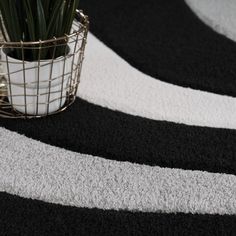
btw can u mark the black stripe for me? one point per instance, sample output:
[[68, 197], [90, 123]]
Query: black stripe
[[163, 38], [91, 129], [30, 217]]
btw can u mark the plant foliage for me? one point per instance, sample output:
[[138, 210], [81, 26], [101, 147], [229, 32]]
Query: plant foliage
[[33, 20]]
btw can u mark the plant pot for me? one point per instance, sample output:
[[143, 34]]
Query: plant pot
[[37, 88]]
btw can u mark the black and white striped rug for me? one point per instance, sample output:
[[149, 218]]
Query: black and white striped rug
[[149, 147]]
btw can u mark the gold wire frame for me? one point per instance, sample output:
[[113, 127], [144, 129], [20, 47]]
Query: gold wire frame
[[24, 92]]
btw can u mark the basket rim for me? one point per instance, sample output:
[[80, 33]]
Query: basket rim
[[84, 22]]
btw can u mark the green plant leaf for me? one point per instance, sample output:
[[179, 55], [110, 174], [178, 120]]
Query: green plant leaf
[[41, 21], [34, 20]]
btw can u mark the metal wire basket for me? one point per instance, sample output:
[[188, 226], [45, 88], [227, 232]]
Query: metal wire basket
[[32, 89]]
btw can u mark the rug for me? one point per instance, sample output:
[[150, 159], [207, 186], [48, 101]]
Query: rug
[[148, 147]]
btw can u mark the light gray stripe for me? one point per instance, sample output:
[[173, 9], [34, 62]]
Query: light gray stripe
[[35, 170], [219, 15], [109, 81]]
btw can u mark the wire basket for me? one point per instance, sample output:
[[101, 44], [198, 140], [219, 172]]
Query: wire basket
[[32, 89]]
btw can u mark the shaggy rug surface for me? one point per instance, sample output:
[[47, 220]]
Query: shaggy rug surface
[[149, 146]]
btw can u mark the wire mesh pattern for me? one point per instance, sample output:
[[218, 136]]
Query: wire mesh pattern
[[29, 88]]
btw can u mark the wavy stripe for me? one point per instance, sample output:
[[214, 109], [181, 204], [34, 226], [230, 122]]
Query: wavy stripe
[[218, 14], [90, 129], [109, 81], [176, 47], [30, 217], [34, 170]]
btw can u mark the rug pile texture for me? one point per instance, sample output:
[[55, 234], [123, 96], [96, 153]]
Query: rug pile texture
[[149, 146]]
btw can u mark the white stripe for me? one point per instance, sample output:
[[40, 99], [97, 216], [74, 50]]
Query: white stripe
[[35, 170], [218, 14], [109, 81]]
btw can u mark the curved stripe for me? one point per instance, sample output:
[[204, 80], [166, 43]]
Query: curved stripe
[[107, 80], [34, 170], [29, 217], [165, 39], [218, 14], [90, 129]]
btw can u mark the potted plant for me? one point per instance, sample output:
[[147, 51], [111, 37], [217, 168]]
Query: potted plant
[[38, 55]]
